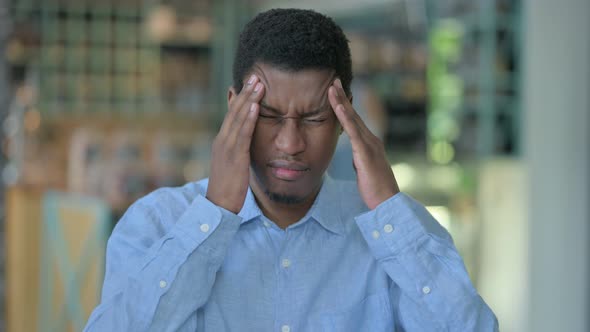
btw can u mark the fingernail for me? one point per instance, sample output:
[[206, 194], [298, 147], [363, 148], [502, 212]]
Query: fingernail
[[257, 87], [252, 79], [339, 83], [336, 92]]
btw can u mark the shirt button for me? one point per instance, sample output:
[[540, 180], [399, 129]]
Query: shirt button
[[388, 228], [285, 328], [163, 284], [266, 224], [426, 290], [204, 228], [376, 234], [286, 263]]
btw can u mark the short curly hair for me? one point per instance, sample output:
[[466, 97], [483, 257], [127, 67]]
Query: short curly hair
[[293, 40]]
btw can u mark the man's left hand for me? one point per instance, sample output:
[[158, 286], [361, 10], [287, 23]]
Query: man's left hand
[[375, 178]]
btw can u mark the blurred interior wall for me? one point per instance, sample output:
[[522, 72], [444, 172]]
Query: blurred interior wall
[[556, 85], [503, 254]]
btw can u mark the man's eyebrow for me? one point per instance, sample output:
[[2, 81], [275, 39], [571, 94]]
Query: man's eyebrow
[[270, 108], [316, 111]]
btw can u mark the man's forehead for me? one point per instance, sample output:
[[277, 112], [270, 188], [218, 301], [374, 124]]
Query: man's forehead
[[267, 71], [302, 91], [321, 108]]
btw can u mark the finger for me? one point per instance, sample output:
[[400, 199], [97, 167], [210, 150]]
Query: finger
[[245, 136], [236, 104], [247, 89], [343, 99], [243, 116], [346, 118], [254, 97]]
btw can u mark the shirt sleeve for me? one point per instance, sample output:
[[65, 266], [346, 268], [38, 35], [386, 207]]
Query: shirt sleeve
[[159, 272], [431, 290]]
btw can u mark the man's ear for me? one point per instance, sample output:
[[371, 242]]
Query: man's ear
[[231, 93]]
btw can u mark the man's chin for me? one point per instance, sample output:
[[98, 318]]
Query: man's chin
[[284, 198]]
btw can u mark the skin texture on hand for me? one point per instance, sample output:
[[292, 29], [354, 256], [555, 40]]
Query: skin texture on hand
[[231, 157], [375, 178], [230, 153]]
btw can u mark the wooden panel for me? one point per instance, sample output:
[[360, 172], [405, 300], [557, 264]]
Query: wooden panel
[[23, 237], [51, 240], [73, 249]]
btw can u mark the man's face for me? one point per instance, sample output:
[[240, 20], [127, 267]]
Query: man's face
[[295, 135]]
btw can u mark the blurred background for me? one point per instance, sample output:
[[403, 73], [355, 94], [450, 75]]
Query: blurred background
[[483, 106]]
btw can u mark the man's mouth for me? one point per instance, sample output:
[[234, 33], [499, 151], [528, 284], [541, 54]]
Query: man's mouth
[[287, 170]]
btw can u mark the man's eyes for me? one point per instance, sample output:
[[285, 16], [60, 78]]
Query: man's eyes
[[265, 116], [312, 120]]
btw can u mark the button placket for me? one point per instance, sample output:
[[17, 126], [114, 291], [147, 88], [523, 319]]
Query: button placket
[[388, 228], [204, 228], [376, 234], [286, 262]]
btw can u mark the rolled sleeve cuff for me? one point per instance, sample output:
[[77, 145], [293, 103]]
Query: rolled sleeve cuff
[[395, 225], [204, 227], [200, 221]]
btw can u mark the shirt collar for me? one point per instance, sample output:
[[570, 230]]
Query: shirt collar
[[250, 209], [325, 209]]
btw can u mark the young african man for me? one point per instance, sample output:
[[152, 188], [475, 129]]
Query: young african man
[[269, 242]]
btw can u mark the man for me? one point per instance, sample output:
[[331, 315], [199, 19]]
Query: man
[[269, 242]]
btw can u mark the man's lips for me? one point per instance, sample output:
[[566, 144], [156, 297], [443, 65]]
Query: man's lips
[[287, 170]]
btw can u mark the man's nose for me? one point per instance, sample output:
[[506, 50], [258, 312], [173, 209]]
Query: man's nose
[[290, 138]]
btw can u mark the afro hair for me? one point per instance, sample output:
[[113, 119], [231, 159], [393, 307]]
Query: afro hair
[[293, 40]]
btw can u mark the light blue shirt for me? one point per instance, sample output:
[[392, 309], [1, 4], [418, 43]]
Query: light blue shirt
[[177, 262]]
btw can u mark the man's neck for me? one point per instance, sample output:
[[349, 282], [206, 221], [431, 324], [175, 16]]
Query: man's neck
[[282, 214]]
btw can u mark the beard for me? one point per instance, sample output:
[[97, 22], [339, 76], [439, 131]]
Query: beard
[[283, 198]]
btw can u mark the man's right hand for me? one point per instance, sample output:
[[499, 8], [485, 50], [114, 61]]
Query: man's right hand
[[230, 154]]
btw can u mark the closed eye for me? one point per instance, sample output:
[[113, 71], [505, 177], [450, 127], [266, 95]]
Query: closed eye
[[266, 116], [314, 120], [276, 119]]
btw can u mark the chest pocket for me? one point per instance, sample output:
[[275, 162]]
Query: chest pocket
[[373, 314]]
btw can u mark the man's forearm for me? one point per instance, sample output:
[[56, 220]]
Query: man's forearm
[[140, 283], [431, 289]]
